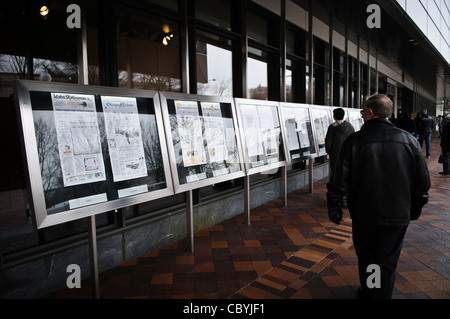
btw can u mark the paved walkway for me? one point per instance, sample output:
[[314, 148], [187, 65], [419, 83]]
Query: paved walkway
[[291, 252]]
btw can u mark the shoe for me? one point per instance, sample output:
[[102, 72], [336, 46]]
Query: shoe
[[428, 156]]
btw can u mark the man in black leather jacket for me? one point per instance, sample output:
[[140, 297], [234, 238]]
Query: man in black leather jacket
[[384, 174]]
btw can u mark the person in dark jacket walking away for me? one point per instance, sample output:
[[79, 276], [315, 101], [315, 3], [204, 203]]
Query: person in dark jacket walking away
[[407, 124], [426, 125], [445, 146], [383, 171], [336, 135]]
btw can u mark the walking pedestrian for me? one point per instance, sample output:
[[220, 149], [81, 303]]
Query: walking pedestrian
[[336, 135], [445, 146], [383, 172], [426, 124]]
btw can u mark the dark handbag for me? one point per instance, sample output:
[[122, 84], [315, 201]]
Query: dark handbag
[[441, 159]]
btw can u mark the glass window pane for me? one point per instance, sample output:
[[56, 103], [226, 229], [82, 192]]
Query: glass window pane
[[36, 48], [257, 79], [170, 4], [257, 28], [47, 40], [216, 12], [214, 70], [148, 51], [296, 81], [288, 80]]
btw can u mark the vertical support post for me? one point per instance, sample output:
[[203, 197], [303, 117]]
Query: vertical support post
[[311, 53], [184, 44], [84, 79], [331, 58], [347, 70], [358, 74], [93, 257], [311, 176], [243, 50], [83, 70], [284, 195], [283, 50], [190, 219], [247, 200]]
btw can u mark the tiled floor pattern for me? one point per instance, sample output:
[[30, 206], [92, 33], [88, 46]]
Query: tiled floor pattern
[[287, 253]]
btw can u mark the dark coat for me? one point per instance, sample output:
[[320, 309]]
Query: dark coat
[[426, 125], [445, 138], [336, 135], [382, 170]]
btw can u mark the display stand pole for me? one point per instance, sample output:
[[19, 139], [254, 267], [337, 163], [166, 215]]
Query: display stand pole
[[311, 176], [247, 199], [93, 256], [190, 219], [84, 79], [284, 186]]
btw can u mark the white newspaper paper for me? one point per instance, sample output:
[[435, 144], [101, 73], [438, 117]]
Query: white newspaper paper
[[124, 136], [190, 131], [78, 138]]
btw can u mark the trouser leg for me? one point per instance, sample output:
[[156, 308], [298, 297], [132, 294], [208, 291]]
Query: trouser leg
[[446, 163], [428, 143], [381, 246]]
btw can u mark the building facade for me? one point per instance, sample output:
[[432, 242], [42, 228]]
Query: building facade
[[325, 53]]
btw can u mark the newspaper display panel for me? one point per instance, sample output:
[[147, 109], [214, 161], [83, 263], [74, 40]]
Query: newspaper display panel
[[262, 139], [90, 149], [354, 117], [299, 131], [322, 119], [203, 140]]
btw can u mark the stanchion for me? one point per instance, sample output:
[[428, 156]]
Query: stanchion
[[93, 257], [247, 199], [190, 220], [284, 186]]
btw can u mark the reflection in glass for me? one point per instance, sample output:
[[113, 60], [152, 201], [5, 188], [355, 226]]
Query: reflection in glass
[[148, 51], [289, 93], [257, 83], [214, 70]]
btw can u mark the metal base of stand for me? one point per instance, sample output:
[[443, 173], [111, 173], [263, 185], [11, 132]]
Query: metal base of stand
[[93, 257]]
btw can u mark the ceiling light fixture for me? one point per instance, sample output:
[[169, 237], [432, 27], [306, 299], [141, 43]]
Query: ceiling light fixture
[[167, 38], [44, 12]]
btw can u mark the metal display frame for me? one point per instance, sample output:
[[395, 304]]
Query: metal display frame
[[179, 187], [286, 105], [354, 117], [23, 91], [326, 109], [188, 187], [266, 167]]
